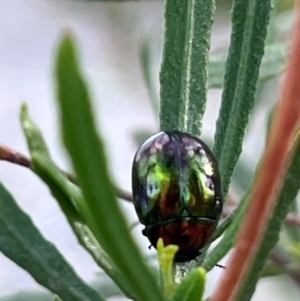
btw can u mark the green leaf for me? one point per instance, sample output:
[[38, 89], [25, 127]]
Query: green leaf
[[102, 284], [40, 155], [166, 256], [86, 149], [272, 65], [250, 19], [243, 175], [21, 241], [145, 57], [273, 62], [216, 70], [192, 286], [291, 231], [228, 239], [69, 198], [271, 270], [27, 296], [224, 226], [272, 35], [183, 75], [286, 198]]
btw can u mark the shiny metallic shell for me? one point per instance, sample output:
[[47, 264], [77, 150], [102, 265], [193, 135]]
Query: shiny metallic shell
[[176, 191]]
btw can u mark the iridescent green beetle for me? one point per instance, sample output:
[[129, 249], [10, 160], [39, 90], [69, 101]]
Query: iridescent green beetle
[[176, 192]]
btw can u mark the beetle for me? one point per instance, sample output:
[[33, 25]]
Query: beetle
[[177, 191]]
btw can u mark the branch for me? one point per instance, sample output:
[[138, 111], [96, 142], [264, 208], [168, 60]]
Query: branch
[[268, 182], [7, 154], [12, 156], [292, 219]]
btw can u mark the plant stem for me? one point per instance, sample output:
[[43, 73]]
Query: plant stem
[[12, 156], [279, 151]]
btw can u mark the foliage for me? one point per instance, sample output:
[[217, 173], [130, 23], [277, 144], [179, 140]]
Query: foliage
[[89, 200]]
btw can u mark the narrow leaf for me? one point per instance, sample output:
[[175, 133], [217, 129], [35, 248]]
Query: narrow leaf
[[250, 19], [69, 195], [87, 153], [21, 241], [145, 57], [228, 239], [249, 257], [192, 286], [286, 198], [69, 198], [183, 74], [272, 65], [27, 296], [166, 256]]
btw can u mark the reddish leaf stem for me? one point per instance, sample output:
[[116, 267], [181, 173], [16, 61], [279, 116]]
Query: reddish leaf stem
[[12, 156], [268, 180]]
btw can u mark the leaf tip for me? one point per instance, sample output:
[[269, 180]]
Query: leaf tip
[[24, 111], [66, 49]]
